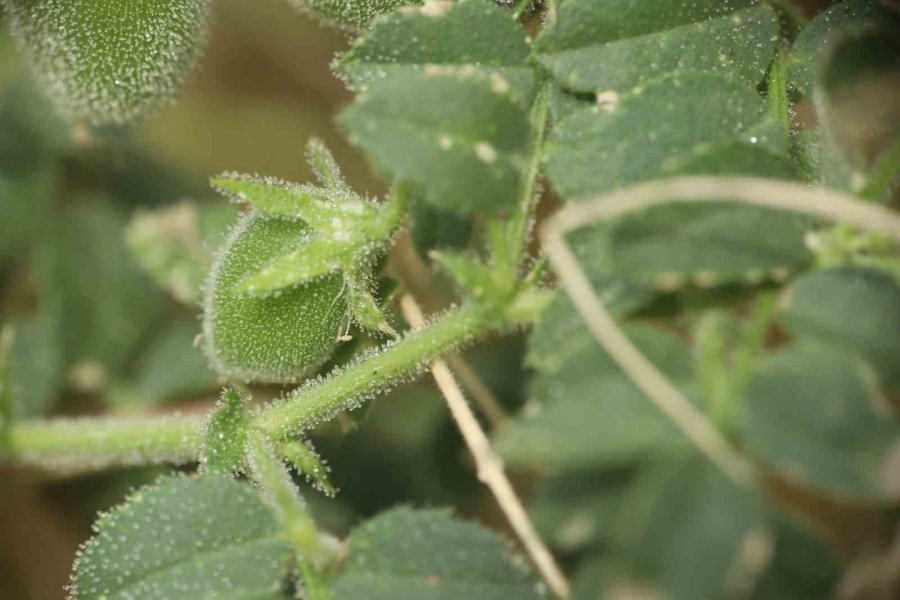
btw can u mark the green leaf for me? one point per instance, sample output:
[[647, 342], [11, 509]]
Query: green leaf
[[856, 310], [586, 413], [97, 60], [351, 13], [225, 438], [171, 368], [811, 49], [466, 157], [573, 511], [107, 305], [611, 47], [667, 248], [174, 245], [595, 150], [187, 539], [471, 61], [40, 361], [802, 566], [684, 528], [474, 35], [811, 415], [275, 338], [410, 554]]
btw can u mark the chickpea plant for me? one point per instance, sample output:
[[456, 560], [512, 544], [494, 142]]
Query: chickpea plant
[[713, 316]]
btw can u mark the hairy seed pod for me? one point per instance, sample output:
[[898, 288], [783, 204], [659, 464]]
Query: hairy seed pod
[[108, 61], [277, 338]]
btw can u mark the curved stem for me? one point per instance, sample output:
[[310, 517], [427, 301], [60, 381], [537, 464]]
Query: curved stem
[[769, 193]]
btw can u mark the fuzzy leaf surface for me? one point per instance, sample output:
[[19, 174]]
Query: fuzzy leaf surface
[[615, 46], [588, 413], [471, 35], [596, 150], [407, 554], [812, 414], [459, 137], [185, 539]]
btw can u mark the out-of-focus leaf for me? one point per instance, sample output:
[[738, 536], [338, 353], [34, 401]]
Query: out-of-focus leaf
[[669, 247], [856, 310], [587, 413], [686, 529], [597, 149], [108, 306], [171, 367], [185, 538], [812, 414], [802, 567], [573, 512], [812, 47], [617, 45], [174, 245], [40, 361], [407, 554]]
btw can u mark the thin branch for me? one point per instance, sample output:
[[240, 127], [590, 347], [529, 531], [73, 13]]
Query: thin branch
[[760, 192], [90, 443], [490, 465]]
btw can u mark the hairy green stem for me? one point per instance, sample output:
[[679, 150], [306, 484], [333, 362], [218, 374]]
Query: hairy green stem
[[93, 443], [312, 551], [520, 220]]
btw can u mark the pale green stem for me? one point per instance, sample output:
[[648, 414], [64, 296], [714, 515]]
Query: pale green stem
[[94, 443]]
